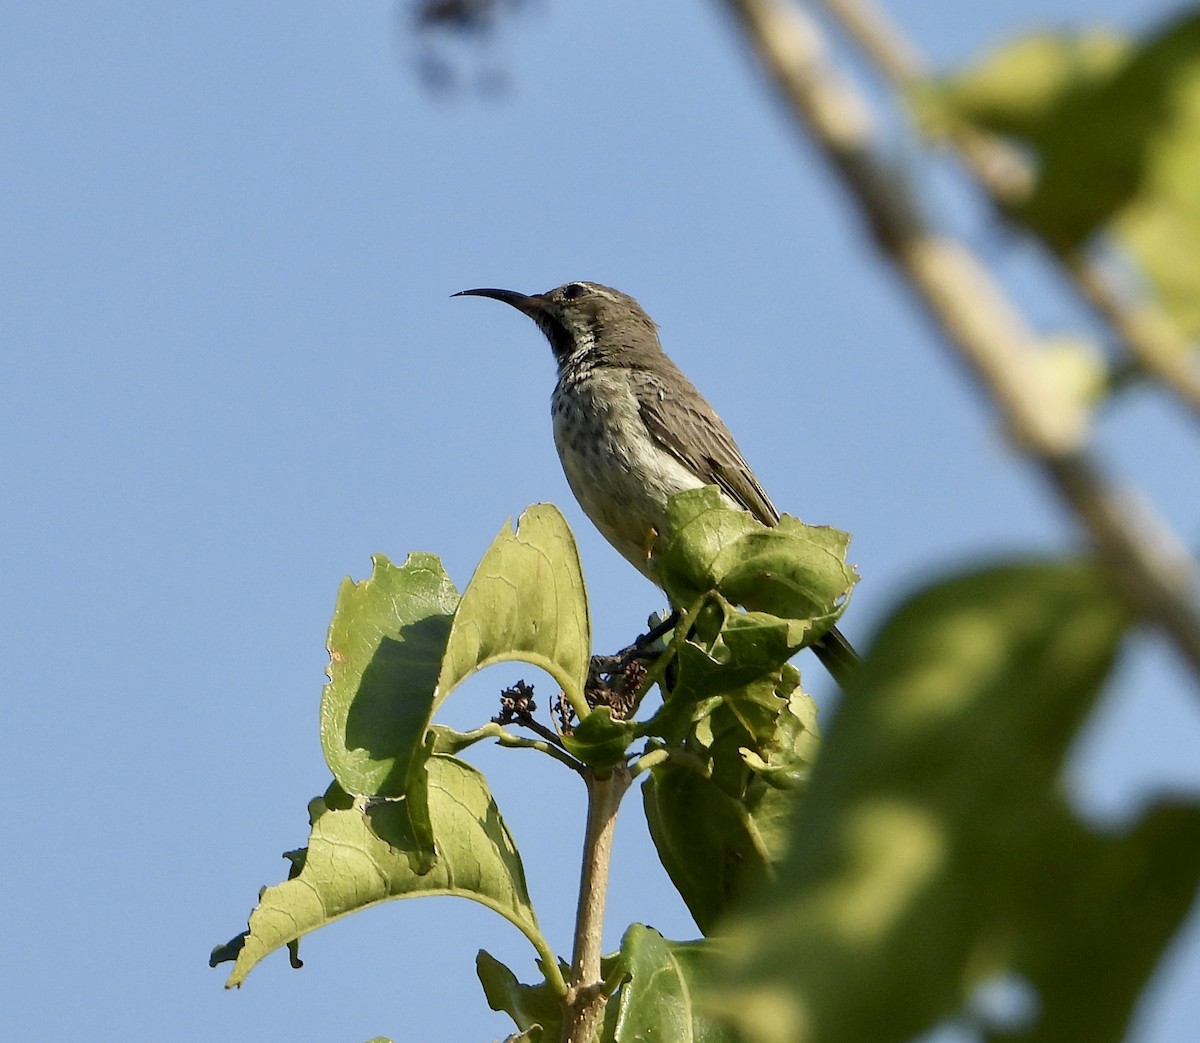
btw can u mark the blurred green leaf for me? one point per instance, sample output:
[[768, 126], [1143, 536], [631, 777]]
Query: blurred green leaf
[[356, 858], [794, 571], [1160, 226], [934, 850], [1113, 128], [525, 602], [536, 1010], [1014, 89]]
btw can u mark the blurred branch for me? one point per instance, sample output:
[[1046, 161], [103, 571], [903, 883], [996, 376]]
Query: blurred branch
[[1151, 336], [1145, 560]]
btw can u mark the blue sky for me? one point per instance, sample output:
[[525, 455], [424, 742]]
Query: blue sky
[[234, 371]]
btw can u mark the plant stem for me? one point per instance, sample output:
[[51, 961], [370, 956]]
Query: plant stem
[[648, 760], [553, 749], [585, 996]]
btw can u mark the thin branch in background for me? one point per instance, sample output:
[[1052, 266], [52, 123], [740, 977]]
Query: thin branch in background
[[1149, 333], [1146, 561]]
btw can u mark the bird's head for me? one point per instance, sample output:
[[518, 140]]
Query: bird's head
[[586, 323]]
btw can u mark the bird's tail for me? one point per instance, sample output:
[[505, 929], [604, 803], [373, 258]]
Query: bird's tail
[[837, 655]]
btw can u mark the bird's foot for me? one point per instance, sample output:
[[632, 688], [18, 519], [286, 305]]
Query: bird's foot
[[647, 646]]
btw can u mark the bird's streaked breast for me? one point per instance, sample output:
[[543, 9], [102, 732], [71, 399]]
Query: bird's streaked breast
[[619, 474]]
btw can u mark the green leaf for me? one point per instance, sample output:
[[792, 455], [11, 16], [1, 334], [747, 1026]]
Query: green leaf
[[1112, 127], [600, 741], [449, 743], [1127, 153], [385, 648], [356, 858], [525, 602], [742, 666], [715, 847], [228, 951], [1014, 89], [536, 1010], [658, 998], [718, 808], [749, 646], [719, 817], [1160, 224], [784, 758], [934, 850], [794, 571]]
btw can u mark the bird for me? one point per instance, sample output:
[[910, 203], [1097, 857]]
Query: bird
[[632, 431]]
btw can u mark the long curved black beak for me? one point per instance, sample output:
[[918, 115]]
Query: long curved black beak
[[527, 304]]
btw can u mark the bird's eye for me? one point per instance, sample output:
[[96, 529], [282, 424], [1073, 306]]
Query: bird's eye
[[573, 290]]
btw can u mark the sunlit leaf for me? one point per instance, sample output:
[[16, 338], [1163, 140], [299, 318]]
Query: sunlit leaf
[[386, 642], [536, 1010], [356, 858], [525, 602], [450, 743], [742, 665], [795, 571]]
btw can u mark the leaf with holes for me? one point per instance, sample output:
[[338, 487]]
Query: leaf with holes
[[359, 857]]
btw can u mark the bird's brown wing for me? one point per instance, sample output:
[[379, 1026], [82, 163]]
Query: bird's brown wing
[[688, 428]]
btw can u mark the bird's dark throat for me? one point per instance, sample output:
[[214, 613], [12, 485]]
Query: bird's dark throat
[[561, 341]]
